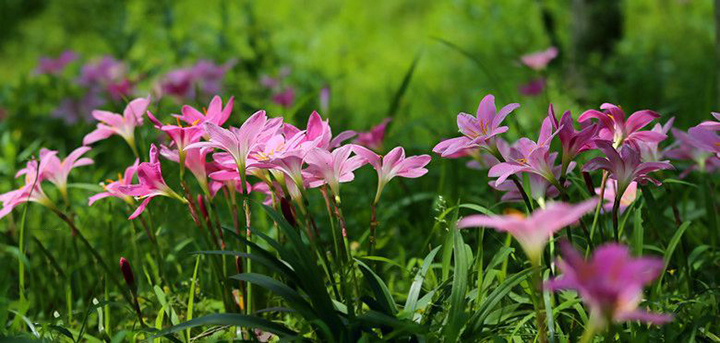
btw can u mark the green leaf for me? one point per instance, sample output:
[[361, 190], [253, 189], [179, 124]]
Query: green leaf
[[478, 208], [416, 286], [382, 294], [638, 233], [478, 319], [674, 241], [456, 317], [295, 300], [231, 319]]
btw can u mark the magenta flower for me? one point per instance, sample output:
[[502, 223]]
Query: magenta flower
[[331, 168], [533, 87], [56, 171], [540, 59], [55, 66], [533, 232], [625, 166], [216, 113], [573, 142], [393, 164], [476, 130], [30, 191], [626, 200], [325, 99], [151, 184], [373, 139], [179, 83], [285, 98], [116, 124], [102, 72], [617, 130], [209, 75], [610, 283], [112, 187]]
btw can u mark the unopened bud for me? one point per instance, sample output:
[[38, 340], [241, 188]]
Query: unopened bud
[[203, 209], [287, 211], [128, 274], [239, 264]]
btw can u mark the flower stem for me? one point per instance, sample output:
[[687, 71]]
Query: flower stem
[[373, 228], [599, 204], [539, 304], [615, 210]]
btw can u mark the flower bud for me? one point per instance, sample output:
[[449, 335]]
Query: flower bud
[[203, 209], [287, 211], [128, 274]]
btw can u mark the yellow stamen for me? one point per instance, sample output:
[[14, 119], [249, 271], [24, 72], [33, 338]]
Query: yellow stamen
[[514, 213]]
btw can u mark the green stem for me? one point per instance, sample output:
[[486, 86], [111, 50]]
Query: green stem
[[539, 303], [599, 204]]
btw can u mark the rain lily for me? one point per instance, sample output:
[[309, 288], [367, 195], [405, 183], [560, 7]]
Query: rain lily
[[55, 66], [533, 232], [624, 166], [706, 137], [649, 150], [30, 191], [688, 148], [539, 60], [151, 184], [529, 157], [476, 130], [331, 168], [626, 200], [610, 283], [533, 87], [195, 161], [373, 139], [181, 136], [325, 99], [573, 142], [116, 124], [102, 72], [712, 125], [285, 98], [540, 188], [393, 164], [178, 83], [57, 171], [319, 134], [216, 113], [239, 143], [616, 129], [209, 75], [111, 188]]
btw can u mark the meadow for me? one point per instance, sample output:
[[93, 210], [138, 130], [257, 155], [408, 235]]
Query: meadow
[[405, 171]]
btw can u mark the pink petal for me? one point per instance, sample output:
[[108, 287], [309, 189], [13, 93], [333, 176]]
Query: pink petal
[[639, 119], [135, 110], [97, 135], [141, 208], [486, 109]]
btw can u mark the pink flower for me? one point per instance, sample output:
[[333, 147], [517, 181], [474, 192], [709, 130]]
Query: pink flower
[[573, 142], [115, 124], [373, 139], [533, 87], [210, 75], [102, 72], [181, 136], [151, 183], [55, 66], [650, 150], [529, 157], [610, 283], [626, 200], [540, 188], [476, 130], [705, 135], [615, 129], [331, 168], [215, 113], [712, 125], [319, 134], [30, 191], [325, 99], [239, 143], [625, 166], [285, 98], [688, 148], [195, 161], [393, 164], [178, 83], [111, 188], [533, 232], [540, 59], [56, 171]]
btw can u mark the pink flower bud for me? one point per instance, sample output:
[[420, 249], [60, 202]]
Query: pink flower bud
[[128, 274]]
